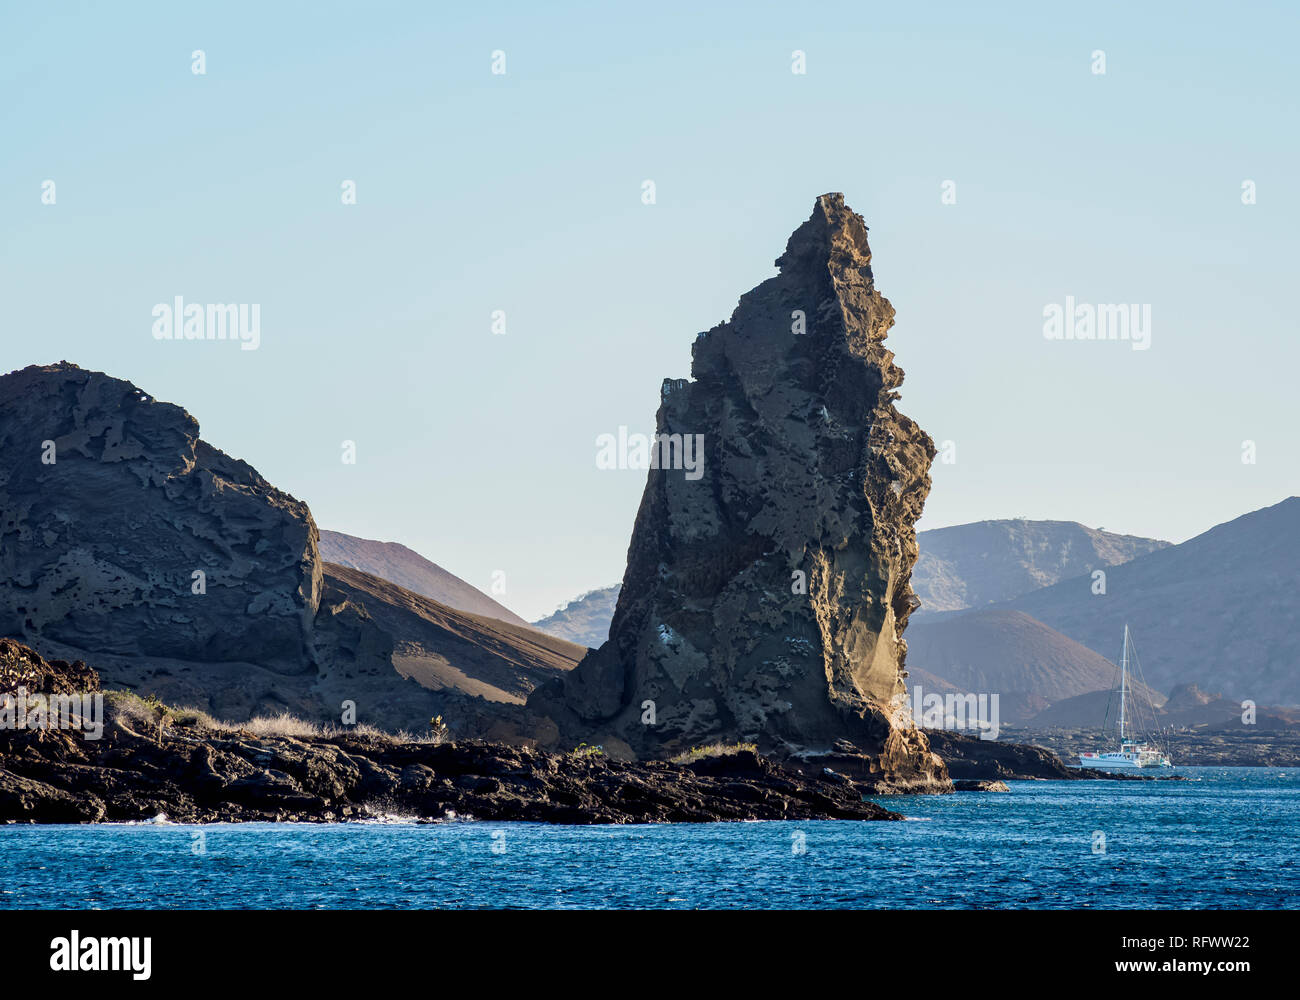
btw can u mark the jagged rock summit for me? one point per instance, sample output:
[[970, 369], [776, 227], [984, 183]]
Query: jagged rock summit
[[766, 598]]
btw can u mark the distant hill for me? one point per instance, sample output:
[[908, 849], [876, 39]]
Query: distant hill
[[1188, 707], [1221, 610], [398, 656], [585, 619], [965, 566], [407, 568], [444, 648], [1028, 665], [973, 565]]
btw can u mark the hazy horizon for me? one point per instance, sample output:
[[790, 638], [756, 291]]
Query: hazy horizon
[[522, 192]]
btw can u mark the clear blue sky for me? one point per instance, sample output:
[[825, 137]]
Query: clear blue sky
[[522, 192]]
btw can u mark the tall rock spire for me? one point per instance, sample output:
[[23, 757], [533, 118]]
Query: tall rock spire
[[765, 599]]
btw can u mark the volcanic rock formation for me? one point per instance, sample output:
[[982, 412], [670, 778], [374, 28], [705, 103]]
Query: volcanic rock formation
[[766, 599], [215, 563], [178, 571]]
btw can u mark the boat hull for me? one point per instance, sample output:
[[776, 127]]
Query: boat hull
[[1122, 762]]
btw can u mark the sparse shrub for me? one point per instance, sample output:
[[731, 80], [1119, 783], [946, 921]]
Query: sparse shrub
[[149, 717], [586, 750], [131, 712], [283, 724], [712, 750], [196, 719]]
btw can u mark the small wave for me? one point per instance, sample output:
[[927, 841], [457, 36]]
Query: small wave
[[392, 818], [159, 820], [389, 819]]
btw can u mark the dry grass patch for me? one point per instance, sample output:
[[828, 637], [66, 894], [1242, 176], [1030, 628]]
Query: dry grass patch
[[712, 750], [148, 716]]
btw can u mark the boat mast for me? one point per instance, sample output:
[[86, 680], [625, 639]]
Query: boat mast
[[1123, 679]]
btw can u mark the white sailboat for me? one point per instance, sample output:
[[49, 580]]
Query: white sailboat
[[1132, 753]]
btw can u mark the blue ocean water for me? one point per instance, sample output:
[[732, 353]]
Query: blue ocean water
[[1225, 838]]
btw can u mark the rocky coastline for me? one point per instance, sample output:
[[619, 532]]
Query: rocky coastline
[[116, 757], [56, 777], [142, 760]]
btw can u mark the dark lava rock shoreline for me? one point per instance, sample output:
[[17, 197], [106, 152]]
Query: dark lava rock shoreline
[[53, 776], [148, 760]]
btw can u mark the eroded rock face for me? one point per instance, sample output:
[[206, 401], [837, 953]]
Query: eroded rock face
[[109, 505], [179, 570], [766, 599]]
